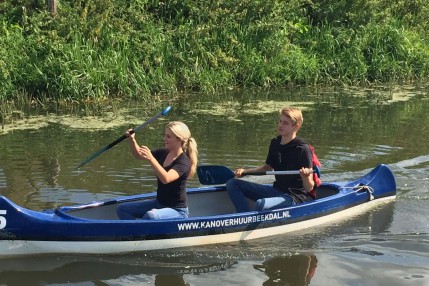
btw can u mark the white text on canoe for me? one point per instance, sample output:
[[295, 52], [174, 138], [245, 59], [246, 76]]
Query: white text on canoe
[[233, 221]]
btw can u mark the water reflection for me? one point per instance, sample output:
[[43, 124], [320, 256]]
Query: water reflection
[[167, 280], [293, 270], [50, 270]]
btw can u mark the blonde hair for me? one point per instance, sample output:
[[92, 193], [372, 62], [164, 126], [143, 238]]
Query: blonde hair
[[189, 145], [294, 113]]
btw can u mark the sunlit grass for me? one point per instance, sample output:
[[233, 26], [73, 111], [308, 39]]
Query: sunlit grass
[[107, 50]]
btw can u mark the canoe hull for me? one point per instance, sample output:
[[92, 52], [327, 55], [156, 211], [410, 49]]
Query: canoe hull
[[28, 247], [94, 229]]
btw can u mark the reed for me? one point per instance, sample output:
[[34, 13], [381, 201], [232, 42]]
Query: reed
[[107, 49]]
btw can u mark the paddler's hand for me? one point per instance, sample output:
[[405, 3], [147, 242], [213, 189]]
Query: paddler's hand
[[239, 172], [130, 133], [146, 154], [305, 172]]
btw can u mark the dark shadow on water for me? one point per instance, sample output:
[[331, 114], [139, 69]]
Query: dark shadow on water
[[47, 270], [298, 267], [292, 270]]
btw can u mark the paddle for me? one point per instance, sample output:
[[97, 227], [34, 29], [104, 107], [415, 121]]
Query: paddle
[[216, 175], [120, 139]]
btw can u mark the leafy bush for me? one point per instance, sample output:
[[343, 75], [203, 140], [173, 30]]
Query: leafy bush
[[94, 49]]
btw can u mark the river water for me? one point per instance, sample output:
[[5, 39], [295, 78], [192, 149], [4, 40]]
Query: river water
[[352, 130]]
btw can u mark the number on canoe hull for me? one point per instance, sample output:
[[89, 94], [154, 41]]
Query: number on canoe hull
[[2, 219]]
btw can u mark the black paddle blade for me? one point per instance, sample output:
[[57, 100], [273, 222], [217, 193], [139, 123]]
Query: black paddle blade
[[123, 137], [102, 150], [214, 175]]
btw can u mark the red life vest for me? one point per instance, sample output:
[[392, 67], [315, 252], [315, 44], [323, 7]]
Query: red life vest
[[316, 178]]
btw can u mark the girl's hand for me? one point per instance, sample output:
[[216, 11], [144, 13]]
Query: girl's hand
[[145, 153], [130, 135]]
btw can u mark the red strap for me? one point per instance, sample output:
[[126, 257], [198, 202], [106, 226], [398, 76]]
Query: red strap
[[316, 179]]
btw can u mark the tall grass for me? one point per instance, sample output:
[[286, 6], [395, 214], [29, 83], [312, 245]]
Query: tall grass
[[103, 49]]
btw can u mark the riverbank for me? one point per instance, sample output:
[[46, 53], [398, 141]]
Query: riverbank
[[101, 50]]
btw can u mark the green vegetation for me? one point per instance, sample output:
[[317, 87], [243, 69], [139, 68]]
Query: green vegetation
[[92, 50]]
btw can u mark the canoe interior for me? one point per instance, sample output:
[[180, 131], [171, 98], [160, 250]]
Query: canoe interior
[[211, 202]]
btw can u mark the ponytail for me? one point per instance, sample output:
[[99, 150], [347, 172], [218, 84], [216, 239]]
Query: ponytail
[[192, 153]]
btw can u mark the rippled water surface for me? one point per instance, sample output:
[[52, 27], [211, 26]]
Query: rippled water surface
[[352, 132]]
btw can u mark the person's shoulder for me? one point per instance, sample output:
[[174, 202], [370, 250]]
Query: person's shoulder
[[184, 158], [300, 143], [297, 142], [276, 139]]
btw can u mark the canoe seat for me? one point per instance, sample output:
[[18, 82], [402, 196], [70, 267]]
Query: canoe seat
[[325, 191], [209, 204]]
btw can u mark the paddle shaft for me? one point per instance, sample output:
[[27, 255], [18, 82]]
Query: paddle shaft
[[294, 172], [123, 137], [216, 175]]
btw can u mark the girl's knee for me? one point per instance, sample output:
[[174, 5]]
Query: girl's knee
[[152, 214]]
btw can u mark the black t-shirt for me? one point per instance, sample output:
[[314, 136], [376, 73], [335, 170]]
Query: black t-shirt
[[173, 195], [286, 157]]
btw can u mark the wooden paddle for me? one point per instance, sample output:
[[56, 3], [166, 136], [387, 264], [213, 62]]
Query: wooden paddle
[[120, 139], [216, 175]]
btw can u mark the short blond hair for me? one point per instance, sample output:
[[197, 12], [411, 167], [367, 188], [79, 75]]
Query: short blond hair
[[294, 113]]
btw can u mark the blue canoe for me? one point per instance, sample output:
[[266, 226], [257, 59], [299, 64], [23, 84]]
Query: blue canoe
[[94, 228]]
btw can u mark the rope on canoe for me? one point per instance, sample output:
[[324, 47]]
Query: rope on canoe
[[360, 188]]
